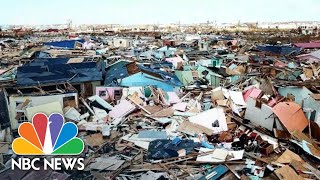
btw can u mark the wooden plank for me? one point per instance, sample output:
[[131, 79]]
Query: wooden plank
[[286, 172], [139, 106]]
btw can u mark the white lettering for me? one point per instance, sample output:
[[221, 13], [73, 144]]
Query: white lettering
[[47, 163], [26, 164], [57, 163], [53, 163], [80, 162], [15, 163], [69, 162], [32, 164]]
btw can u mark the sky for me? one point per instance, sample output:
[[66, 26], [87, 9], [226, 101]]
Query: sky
[[37, 12]]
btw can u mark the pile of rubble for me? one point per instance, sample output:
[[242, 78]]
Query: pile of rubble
[[169, 114]]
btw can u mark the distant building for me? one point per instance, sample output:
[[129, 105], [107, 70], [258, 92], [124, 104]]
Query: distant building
[[203, 45], [122, 43], [308, 30]]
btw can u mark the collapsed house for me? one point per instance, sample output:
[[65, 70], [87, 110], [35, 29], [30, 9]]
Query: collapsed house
[[128, 74], [75, 71], [178, 107]]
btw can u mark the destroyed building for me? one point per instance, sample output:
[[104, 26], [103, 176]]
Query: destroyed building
[[168, 106]]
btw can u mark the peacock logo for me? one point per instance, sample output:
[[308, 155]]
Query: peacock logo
[[48, 136]]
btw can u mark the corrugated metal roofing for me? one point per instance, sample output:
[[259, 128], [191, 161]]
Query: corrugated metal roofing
[[120, 71], [57, 71], [66, 44], [168, 77], [116, 71], [282, 50]]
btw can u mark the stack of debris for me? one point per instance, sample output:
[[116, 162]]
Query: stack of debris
[[210, 114]]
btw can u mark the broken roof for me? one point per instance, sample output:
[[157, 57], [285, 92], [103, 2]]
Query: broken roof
[[66, 44], [57, 70], [123, 69], [282, 50], [291, 116], [117, 70]]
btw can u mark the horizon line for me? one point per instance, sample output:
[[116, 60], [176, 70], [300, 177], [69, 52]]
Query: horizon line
[[172, 23]]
